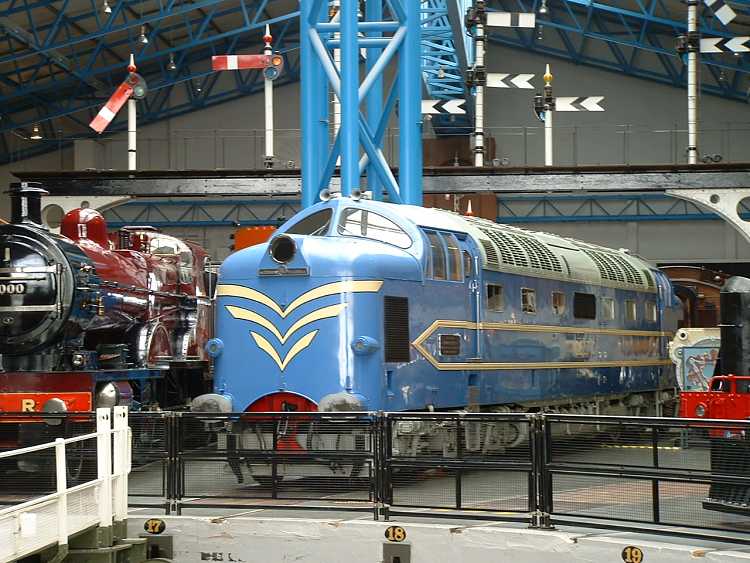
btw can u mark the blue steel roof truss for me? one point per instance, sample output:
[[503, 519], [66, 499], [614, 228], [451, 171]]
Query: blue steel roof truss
[[57, 70]]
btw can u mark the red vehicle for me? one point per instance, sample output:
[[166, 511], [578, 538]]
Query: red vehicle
[[89, 319], [728, 398]]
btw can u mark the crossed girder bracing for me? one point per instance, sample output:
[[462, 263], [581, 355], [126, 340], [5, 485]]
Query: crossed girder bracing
[[60, 59], [446, 53], [632, 37]]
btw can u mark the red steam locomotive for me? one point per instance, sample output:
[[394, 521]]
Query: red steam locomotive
[[89, 319]]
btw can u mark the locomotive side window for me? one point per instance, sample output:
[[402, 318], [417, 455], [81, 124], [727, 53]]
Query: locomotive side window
[[467, 264], [438, 256], [313, 225], [584, 306], [608, 309], [528, 300], [743, 386], [558, 303], [495, 298], [631, 312], [651, 311], [454, 257], [366, 224], [721, 385]]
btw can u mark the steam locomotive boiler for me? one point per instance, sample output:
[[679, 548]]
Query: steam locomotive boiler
[[89, 319]]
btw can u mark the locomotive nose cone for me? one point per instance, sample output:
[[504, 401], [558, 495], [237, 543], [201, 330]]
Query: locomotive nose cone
[[282, 249]]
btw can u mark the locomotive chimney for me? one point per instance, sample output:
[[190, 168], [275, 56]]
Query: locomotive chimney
[[26, 203]]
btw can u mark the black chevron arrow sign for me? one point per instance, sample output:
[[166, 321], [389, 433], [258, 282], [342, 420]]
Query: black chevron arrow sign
[[580, 103], [725, 45], [447, 107]]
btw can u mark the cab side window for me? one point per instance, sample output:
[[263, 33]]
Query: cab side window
[[454, 258], [366, 224], [439, 266]]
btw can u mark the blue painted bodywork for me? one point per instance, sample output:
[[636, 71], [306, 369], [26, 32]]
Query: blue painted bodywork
[[333, 362]]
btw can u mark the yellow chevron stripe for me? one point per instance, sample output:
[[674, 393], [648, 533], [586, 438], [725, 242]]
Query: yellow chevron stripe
[[318, 314], [350, 286], [300, 345]]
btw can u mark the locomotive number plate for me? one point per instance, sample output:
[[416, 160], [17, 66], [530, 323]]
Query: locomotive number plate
[[12, 288]]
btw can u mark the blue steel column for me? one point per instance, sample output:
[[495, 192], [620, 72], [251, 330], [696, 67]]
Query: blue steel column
[[311, 74], [410, 108], [349, 98], [374, 102]]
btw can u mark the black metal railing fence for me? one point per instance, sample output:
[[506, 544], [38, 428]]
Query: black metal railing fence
[[547, 469]]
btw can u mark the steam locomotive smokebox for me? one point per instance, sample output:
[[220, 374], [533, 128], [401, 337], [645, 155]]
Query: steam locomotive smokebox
[[735, 327], [26, 202], [455, 151]]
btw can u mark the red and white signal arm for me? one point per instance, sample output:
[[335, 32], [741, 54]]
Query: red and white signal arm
[[271, 64], [133, 86]]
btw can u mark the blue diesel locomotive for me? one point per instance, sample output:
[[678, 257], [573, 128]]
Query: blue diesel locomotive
[[362, 305]]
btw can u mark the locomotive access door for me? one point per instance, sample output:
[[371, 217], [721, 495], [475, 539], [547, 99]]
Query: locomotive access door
[[472, 267]]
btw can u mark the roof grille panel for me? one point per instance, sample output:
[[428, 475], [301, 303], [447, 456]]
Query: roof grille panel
[[615, 268], [489, 250]]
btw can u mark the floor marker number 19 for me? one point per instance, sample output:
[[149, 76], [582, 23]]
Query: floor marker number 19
[[632, 554]]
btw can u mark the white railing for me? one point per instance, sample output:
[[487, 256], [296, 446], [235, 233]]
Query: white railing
[[45, 521]]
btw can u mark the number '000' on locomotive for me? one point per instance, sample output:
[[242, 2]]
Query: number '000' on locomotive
[[362, 305]]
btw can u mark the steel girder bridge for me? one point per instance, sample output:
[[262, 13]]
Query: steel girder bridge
[[60, 59]]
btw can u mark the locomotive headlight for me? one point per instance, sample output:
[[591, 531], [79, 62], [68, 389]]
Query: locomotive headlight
[[282, 249], [700, 410], [107, 396], [78, 360]]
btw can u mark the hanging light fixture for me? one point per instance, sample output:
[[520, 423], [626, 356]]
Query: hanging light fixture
[[171, 66], [543, 7], [722, 76], [540, 33], [441, 72], [36, 133], [106, 8], [142, 37]]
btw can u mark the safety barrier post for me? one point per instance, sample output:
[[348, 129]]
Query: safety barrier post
[[173, 434], [120, 426], [62, 492], [104, 466], [540, 491]]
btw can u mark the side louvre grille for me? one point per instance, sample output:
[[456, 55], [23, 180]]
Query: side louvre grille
[[397, 341]]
